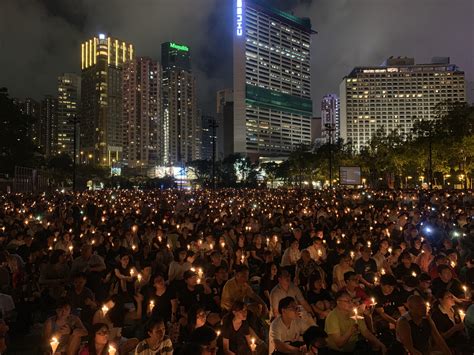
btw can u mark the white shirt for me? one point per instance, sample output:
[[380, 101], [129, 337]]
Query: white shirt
[[279, 331]]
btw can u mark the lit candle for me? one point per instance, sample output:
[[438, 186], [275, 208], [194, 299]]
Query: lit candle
[[218, 333], [139, 278], [369, 244], [54, 344], [223, 245], [112, 350], [352, 254], [413, 274], [464, 288], [462, 315], [376, 280], [320, 253], [373, 301], [428, 306], [104, 309], [151, 305], [390, 250], [132, 272], [382, 271], [253, 346], [453, 264]]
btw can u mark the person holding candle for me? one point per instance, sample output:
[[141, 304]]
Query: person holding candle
[[365, 266], [448, 322], [236, 331], [164, 298], [344, 266], [406, 267], [416, 332], [344, 325], [65, 327], [156, 343], [124, 276], [98, 341], [389, 304], [446, 281]]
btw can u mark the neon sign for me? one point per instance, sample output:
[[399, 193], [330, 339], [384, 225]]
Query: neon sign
[[239, 18], [179, 47]]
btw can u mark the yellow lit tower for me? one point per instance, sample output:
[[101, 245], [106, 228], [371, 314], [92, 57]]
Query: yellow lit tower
[[102, 61]]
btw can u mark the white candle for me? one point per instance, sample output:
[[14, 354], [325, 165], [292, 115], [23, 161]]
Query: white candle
[[462, 315], [151, 305], [54, 344], [104, 309], [112, 350]]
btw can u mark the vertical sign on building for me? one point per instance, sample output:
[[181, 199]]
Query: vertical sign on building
[[239, 18]]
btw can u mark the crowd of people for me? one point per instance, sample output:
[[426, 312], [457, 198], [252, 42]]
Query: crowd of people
[[239, 271]]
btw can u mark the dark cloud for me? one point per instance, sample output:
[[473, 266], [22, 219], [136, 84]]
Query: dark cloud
[[41, 39]]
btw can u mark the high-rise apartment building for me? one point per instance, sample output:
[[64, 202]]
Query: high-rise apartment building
[[102, 60], [48, 125], [330, 124], [391, 97], [141, 112], [69, 94], [272, 80], [181, 126], [31, 107]]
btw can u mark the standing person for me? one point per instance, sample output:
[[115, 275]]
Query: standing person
[[416, 331], [343, 331], [156, 343], [236, 331]]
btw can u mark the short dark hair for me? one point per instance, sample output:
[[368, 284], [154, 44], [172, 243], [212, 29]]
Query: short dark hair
[[313, 334], [348, 275], [284, 303], [240, 268], [340, 294], [443, 267], [388, 280], [153, 322], [203, 336]]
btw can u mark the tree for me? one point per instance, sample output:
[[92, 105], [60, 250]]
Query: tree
[[202, 169]]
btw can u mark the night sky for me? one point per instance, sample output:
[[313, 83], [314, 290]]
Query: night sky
[[40, 39]]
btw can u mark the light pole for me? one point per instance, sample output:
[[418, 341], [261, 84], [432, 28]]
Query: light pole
[[330, 129]]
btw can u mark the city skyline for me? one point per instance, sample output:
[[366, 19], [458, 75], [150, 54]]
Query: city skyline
[[55, 30]]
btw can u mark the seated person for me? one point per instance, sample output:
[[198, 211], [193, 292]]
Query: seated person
[[65, 327], [343, 331], [389, 303], [353, 288], [98, 341], [314, 338], [416, 331], [287, 328], [157, 342], [446, 281], [285, 288], [82, 299], [204, 339], [448, 321], [318, 297], [236, 331], [365, 266], [406, 267]]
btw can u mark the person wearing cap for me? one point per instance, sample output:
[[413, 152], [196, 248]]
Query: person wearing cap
[[343, 331], [415, 331], [287, 329], [389, 302]]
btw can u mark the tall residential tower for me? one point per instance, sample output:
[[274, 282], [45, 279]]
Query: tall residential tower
[[102, 60], [69, 98], [272, 80], [330, 124], [181, 126]]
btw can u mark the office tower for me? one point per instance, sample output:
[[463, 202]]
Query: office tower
[[330, 118], [69, 98], [225, 121], [48, 125], [102, 60], [209, 127], [181, 126], [141, 112], [391, 97], [31, 107], [272, 94]]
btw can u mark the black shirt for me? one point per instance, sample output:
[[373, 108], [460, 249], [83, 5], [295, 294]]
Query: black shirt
[[444, 323], [390, 302], [313, 296], [163, 306], [453, 286], [237, 338], [188, 298], [401, 270], [365, 268]]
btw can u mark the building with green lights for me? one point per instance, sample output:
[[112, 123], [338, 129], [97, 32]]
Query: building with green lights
[[180, 128], [272, 80]]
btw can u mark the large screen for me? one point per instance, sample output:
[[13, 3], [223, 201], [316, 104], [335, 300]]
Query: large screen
[[350, 175]]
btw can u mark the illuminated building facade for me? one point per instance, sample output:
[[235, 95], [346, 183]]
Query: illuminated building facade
[[330, 115], [102, 61], [272, 79], [391, 97], [141, 112], [69, 93], [48, 124], [181, 127]]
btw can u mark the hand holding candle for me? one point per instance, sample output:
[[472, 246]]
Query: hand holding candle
[[253, 346], [112, 350]]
